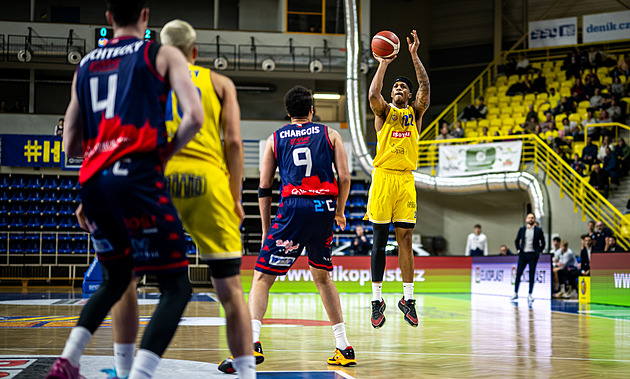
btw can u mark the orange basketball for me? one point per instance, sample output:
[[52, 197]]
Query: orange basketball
[[385, 44]]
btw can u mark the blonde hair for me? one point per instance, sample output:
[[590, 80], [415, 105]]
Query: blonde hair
[[180, 34]]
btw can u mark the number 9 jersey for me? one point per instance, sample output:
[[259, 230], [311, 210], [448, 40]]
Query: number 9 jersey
[[305, 157]]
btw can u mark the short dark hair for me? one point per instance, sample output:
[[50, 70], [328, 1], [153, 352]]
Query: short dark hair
[[126, 12], [405, 80], [477, 226], [298, 101], [61, 119], [556, 239]]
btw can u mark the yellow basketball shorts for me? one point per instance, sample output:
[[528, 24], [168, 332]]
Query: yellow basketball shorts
[[392, 197], [201, 194]]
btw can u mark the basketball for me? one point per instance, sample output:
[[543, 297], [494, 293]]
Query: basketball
[[385, 44]]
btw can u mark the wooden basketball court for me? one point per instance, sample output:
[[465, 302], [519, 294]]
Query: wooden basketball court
[[459, 336]]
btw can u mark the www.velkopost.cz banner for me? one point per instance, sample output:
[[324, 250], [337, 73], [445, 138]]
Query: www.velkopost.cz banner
[[467, 160], [606, 27], [610, 278], [352, 275]]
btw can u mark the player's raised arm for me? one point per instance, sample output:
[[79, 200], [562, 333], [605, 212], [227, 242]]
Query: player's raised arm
[[421, 104], [231, 125], [343, 180], [267, 172], [377, 103], [172, 65], [73, 127]]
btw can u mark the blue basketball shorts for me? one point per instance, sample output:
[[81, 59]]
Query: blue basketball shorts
[[302, 222]]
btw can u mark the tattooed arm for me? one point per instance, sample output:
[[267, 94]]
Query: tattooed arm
[[421, 104], [377, 102]]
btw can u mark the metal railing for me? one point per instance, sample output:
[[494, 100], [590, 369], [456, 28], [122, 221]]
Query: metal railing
[[615, 125], [542, 157]]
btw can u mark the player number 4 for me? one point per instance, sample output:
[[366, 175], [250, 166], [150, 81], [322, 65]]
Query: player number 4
[[110, 101], [306, 161]]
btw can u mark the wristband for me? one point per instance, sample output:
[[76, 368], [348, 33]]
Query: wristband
[[264, 192]]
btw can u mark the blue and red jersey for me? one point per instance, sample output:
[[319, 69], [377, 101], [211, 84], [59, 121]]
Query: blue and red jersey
[[122, 99], [305, 157]]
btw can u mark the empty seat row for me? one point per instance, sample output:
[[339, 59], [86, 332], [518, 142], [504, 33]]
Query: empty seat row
[[38, 223], [37, 197], [36, 210], [46, 247], [36, 183]]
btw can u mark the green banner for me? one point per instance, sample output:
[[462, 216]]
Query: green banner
[[610, 278]]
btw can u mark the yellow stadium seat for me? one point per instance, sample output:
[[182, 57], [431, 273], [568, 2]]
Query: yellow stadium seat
[[501, 80], [555, 85], [517, 128], [505, 130], [503, 104], [491, 91], [543, 107], [548, 65], [493, 110], [471, 124], [578, 147], [495, 123], [566, 83], [471, 134], [483, 124], [519, 120], [513, 79], [602, 71], [492, 100], [566, 92], [507, 110], [502, 90], [575, 117], [517, 114], [559, 118], [492, 116], [541, 116], [536, 65], [606, 80], [584, 104], [558, 62], [530, 97], [516, 104], [542, 96], [623, 79], [508, 122], [538, 103]]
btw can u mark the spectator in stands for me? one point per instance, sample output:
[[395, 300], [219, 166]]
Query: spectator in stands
[[622, 150], [484, 132], [614, 111], [604, 117], [568, 125], [623, 67], [611, 165], [477, 243], [561, 273], [590, 227], [578, 165], [578, 88], [444, 132], [530, 125], [17, 107], [458, 131], [599, 180], [601, 153], [510, 66], [473, 112], [3, 107], [519, 88], [617, 88], [590, 119], [585, 255], [555, 250], [540, 83], [561, 154], [532, 113], [554, 97], [596, 100], [596, 57], [522, 66], [589, 153], [59, 128], [599, 237], [548, 123], [572, 65], [590, 86], [503, 250], [361, 244], [566, 106], [611, 245]]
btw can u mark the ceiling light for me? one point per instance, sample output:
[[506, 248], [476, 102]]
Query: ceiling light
[[327, 96]]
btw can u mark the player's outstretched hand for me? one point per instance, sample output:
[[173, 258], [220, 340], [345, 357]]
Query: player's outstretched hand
[[340, 219], [81, 218], [413, 45], [385, 61]]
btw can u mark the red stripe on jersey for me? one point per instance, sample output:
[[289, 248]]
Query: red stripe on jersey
[[149, 63], [328, 138], [311, 186], [271, 269], [318, 265], [113, 142]]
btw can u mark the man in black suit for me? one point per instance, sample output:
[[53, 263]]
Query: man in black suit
[[530, 243]]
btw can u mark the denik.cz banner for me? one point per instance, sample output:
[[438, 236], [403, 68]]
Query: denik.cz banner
[[606, 27], [555, 32], [466, 160]]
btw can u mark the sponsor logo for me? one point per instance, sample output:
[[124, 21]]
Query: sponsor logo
[[339, 274], [276, 260], [567, 30], [411, 204], [287, 245], [141, 249], [396, 134], [186, 185], [477, 274], [513, 275], [146, 223], [300, 140], [398, 150], [583, 286], [293, 133], [622, 280], [394, 118], [608, 27], [489, 275]]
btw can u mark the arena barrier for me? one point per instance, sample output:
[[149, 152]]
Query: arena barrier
[[610, 278]]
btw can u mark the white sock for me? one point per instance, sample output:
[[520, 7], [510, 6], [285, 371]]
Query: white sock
[[341, 341], [256, 324], [144, 365], [408, 291], [123, 358], [245, 366], [79, 338], [376, 291]]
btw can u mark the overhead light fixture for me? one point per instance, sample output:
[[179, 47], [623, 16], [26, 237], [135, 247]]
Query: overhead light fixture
[[327, 96]]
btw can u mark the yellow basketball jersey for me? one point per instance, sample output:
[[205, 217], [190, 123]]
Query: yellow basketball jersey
[[207, 144], [397, 147]]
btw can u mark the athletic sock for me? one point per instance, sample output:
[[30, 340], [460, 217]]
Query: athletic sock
[[341, 341], [256, 324], [245, 366], [376, 291], [408, 291], [123, 358], [79, 338], [145, 365]]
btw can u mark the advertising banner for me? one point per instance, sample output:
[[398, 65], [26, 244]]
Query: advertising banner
[[584, 289], [31, 151], [606, 27], [555, 32], [352, 275], [610, 278], [466, 160], [497, 275]]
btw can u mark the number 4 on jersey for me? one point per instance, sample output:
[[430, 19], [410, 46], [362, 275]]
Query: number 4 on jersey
[[110, 101]]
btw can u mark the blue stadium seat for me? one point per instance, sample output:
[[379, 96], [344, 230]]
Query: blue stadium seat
[[31, 236], [77, 199], [4, 209], [17, 196], [343, 240], [3, 242], [367, 226], [66, 184], [65, 248], [357, 187], [77, 186], [80, 247], [3, 223], [18, 183], [49, 210], [32, 247], [49, 223], [16, 247], [66, 223], [81, 237], [16, 223], [346, 213], [66, 210], [34, 184], [16, 210], [64, 237], [50, 197], [358, 201], [50, 184], [48, 237], [4, 196], [355, 223], [33, 223], [66, 197], [48, 247], [33, 210], [4, 182], [34, 197]]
